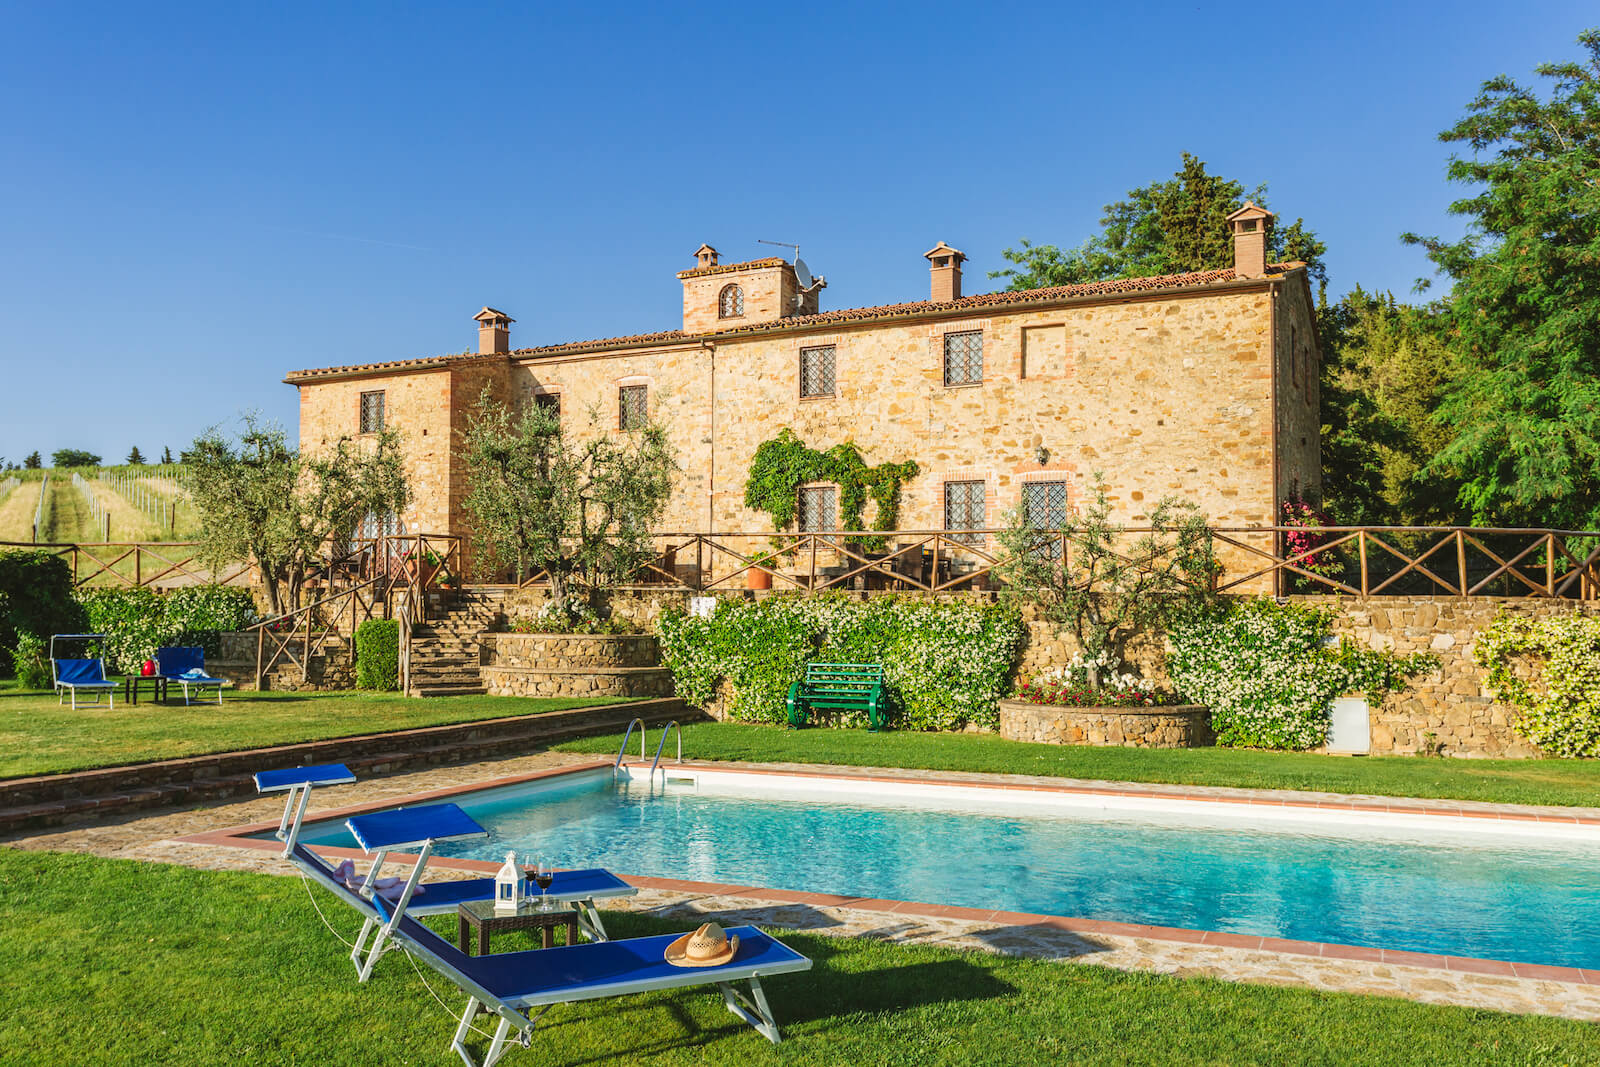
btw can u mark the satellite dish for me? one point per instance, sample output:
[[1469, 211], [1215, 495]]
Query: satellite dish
[[802, 274]]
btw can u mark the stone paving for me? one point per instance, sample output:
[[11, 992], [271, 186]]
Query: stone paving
[[150, 836]]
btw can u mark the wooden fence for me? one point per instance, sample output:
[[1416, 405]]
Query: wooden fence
[[1358, 561]]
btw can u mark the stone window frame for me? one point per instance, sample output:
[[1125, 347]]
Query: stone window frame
[[800, 369], [805, 489], [956, 532], [625, 389], [546, 398], [730, 301], [372, 400], [1066, 371], [942, 348]]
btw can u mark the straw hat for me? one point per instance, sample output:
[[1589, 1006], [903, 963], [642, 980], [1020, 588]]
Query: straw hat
[[705, 947]]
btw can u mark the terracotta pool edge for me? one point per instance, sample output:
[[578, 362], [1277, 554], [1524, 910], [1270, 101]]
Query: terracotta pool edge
[[241, 837]]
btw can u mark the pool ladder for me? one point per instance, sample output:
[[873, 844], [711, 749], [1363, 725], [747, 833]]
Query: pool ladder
[[673, 726]]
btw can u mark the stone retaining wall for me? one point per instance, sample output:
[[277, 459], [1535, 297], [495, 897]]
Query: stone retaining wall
[[1446, 712], [1180, 726], [638, 682], [559, 651]]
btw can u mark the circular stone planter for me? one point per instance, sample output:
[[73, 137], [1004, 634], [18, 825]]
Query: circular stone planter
[[1179, 726], [574, 665]]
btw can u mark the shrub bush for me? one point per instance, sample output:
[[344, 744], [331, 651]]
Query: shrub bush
[[137, 621], [31, 661], [36, 588], [1269, 671], [1549, 670], [378, 655], [946, 664]]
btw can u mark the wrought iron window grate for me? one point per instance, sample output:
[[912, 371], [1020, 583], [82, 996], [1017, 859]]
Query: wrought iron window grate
[[963, 357], [817, 366], [964, 509], [372, 412], [633, 406]]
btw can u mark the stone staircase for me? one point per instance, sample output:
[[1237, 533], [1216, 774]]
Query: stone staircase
[[332, 667], [444, 650]]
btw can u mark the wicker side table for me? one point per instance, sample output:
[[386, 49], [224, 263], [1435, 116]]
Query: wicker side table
[[481, 916]]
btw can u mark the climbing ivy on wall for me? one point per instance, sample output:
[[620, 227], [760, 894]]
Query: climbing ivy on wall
[[784, 463]]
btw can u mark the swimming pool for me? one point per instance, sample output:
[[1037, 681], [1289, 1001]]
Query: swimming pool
[[1432, 884]]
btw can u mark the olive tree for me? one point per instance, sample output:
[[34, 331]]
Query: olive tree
[[1092, 579], [260, 501], [582, 509]]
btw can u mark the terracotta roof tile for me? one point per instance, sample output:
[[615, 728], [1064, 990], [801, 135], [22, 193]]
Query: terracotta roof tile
[[1114, 287]]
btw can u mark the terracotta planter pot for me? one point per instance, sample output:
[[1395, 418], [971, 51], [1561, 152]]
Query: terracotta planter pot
[[755, 578]]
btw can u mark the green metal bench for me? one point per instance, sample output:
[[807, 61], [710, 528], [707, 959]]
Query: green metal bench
[[839, 687]]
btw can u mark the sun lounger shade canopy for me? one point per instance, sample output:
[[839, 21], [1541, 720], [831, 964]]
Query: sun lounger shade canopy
[[406, 827], [290, 777]]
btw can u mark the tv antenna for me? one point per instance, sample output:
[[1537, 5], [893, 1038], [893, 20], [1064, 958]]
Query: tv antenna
[[802, 273]]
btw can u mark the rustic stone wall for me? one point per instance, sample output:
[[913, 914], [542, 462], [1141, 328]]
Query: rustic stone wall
[[548, 665], [1182, 726], [1450, 704], [568, 650]]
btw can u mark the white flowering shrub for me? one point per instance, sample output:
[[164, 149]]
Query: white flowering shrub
[[1269, 671], [1557, 696], [946, 664]]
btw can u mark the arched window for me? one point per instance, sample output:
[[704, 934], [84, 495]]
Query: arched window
[[730, 302]]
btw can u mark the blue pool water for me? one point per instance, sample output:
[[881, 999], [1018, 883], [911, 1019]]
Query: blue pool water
[[1497, 897]]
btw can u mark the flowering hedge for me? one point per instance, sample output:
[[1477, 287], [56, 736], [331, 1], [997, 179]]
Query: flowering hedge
[[1559, 700], [1269, 671], [946, 663], [1084, 695]]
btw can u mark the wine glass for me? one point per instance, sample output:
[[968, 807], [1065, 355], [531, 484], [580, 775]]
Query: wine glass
[[544, 876], [529, 870]]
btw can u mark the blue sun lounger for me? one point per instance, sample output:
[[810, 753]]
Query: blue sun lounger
[[87, 675], [580, 889], [185, 666], [508, 984]]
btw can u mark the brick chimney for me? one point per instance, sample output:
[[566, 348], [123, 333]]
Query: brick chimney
[[945, 270], [1249, 225], [494, 332], [705, 256]]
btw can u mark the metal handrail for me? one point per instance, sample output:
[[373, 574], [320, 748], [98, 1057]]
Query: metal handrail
[[640, 724], [673, 726]]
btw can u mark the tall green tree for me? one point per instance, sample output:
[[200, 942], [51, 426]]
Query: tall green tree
[[1166, 227], [1524, 309], [73, 457], [1384, 372], [584, 510], [134, 455], [259, 500], [32, 461]]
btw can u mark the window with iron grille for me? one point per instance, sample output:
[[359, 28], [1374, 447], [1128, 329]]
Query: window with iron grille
[[817, 371], [549, 403], [633, 406], [730, 302], [964, 509], [372, 412], [963, 358], [1044, 507], [819, 508]]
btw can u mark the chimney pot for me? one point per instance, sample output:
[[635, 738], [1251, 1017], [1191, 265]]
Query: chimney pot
[[705, 256], [494, 332], [1249, 226], [944, 269]]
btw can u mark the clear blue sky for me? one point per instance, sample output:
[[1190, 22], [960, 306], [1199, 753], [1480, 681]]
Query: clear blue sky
[[200, 199]]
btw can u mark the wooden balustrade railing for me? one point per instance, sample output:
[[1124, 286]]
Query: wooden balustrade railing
[[1352, 560]]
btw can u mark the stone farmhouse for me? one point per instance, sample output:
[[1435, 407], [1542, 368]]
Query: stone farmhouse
[[1201, 384]]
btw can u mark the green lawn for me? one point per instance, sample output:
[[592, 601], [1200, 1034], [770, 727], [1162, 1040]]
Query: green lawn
[[1553, 781], [116, 962], [40, 736]]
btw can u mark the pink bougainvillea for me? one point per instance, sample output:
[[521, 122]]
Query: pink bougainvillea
[[1306, 534]]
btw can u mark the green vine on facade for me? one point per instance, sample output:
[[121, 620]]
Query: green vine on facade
[[784, 463]]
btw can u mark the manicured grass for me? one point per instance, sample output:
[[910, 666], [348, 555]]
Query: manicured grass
[[116, 962], [40, 736], [1562, 782]]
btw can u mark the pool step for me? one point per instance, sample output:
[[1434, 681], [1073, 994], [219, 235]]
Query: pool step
[[51, 800]]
